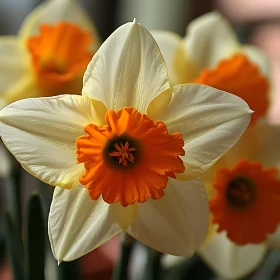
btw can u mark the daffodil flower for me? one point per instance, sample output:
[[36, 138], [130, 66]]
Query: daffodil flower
[[244, 191], [50, 53], [210, 54], [119, 153], [243, 186]]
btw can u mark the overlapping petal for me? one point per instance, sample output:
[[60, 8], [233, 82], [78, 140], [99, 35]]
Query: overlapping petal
[[259, 142], [169, 44], [14, 64], [209, 39], [175, 224], [78, 224], [268, 144], [259, 58], [5, 166], [211, 121], [247, 147], [25, 88], [273, 240], [127, 70], [53, 11], [229, 260], [41, 134]]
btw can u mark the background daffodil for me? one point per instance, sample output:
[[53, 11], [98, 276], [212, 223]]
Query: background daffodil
[[116, 152], [254, 216], [50, 53], [209, 40], [243, 186]]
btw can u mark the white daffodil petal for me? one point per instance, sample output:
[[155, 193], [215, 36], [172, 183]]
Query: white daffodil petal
[[5, 166], [169, 44], [175, 224], [267, 139], [209, 39], [229, 260], [15, 64], [53, 11], [259, 58], [124, 216], [273, 240], [78, 224], [42, 132], [24, 88], [211, 121], [127, 70]]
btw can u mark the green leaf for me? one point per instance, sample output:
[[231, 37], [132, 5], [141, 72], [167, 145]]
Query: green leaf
[[16, 186], [120, 270], [153, 270], [14, 248], [192, 268], [35, 239], [69, 271]]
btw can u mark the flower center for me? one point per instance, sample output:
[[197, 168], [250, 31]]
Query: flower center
[[130, 158], [246, 202], [122, 152], [240, 192], [59, 57], [241, 77]]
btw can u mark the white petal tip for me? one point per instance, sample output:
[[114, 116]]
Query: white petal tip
[[134, 21], [58, 263], [251, 112]]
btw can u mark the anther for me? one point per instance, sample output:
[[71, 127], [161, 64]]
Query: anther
[[123, 153]]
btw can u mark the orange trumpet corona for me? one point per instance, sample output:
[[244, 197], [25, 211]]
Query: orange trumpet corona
[[246, 202], [60, 56], [241, 77], [130, 158]]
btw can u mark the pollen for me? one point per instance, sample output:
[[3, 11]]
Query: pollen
[[239, 76], [123, 153], [59, 57], [246, 202], [130, 158], [240, 192]]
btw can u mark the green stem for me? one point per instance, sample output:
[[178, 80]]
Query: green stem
[[121, 268], [153, 268], [34, 239], [69, 270], [16, 189], [14, 248]]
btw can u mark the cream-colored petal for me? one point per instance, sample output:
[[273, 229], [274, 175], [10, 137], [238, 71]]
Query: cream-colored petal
[[175, 224], [229, 260], [53, 11], [209, 39], [124, 216], [24, 88], [267, 143], [17, 80], [210, 120], [260, 142], [273, 240], [15, 64], [258, 57], [169, 261], [247, 147], [5, 165], [78, 224], [41, 133], [127, 70], [169, 44]]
